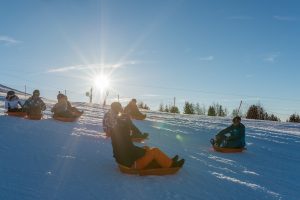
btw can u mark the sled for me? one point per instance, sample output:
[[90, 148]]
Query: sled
[[228, 150], [146, 172], [142, 117], [34, 117], [16, 114], [66, 119]]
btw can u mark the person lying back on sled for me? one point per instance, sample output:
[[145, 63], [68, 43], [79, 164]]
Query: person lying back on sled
[[129, 155], [34, 105], [12, 102], [60, 109], [133, 111], [72, 109], [109, 121], [231, 137]]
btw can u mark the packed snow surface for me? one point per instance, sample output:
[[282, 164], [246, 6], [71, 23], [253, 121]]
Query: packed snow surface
[[48, 159]]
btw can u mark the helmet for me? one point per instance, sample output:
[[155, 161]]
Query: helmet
[[116, 107], [133, 100], [10, 93], [36, 93]]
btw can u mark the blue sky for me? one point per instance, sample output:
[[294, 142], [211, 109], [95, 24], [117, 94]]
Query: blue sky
[[196, 50]]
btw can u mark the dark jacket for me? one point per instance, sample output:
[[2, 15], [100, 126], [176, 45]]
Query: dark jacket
[[124, 151], [34, 105], [109, 121], [236, 138], [133, 111]]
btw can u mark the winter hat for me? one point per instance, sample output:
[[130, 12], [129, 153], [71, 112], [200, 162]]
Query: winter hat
[[9, 93], [36, 93], [133, 100], [237, 118], [116, 107]]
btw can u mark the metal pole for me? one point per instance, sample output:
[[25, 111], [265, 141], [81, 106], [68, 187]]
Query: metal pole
[[238, 112], [174, 101], [91, 95]]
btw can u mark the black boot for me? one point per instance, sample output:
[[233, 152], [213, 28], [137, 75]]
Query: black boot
[[175, 158], [178, 163]]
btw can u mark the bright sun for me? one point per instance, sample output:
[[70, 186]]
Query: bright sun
[[102, 82]]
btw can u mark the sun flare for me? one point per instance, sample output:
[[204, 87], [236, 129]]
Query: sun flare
[[102, 82]]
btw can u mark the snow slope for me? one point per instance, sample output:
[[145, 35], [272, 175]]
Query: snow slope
[[48, 159]]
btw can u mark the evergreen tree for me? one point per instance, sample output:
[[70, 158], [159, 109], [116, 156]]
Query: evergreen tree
[[294, 118], [167, 109], [188, 108], [161, 107], [258, 112], [211, 111], [272, 117], [174, 109], [143, 106]]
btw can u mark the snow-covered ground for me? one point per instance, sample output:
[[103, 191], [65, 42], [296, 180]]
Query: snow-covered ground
[[49, 159]]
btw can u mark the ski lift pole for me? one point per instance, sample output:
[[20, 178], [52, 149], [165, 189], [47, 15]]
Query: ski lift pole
[[239, 107], [106, 95]]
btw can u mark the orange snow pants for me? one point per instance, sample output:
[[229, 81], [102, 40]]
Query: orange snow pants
[[153, 154]]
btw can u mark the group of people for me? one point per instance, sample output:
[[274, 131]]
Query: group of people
[[118, 125], [34, 105]]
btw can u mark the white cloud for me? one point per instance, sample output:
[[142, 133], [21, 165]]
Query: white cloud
[[90, 66], [8, 40], [284, 18], [272, 57], [208, 58]]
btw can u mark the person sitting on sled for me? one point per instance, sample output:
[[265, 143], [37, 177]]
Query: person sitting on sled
[[12, 102], [129, 155], [109, 120], [231, 137], [60, 109], [133, 111], [34, 105], [72, 109]]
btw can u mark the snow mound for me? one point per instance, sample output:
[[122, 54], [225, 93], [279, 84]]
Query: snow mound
[[49, 159]]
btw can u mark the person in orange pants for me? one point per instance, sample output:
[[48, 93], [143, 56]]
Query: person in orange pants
[[129, 155], [154, 154]]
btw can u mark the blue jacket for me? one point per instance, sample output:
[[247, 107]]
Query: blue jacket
[[236, 136]]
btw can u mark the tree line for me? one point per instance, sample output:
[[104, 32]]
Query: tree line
[[255, 111]]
